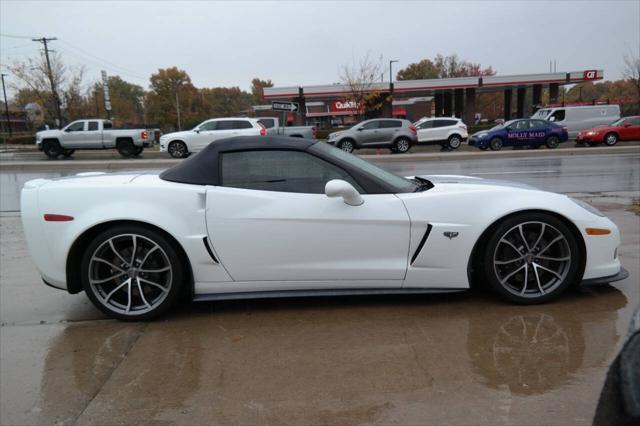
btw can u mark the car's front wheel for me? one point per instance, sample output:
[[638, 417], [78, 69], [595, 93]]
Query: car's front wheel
[[531, 258], [611, 139], [454, 141], [178, 149], [495, 144], [132, 273], [552, 142], [51, 148], [347, 145]]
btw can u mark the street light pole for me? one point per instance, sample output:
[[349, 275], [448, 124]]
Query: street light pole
[[391, 84], [6, 105]]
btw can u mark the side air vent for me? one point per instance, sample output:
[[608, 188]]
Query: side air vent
[[422, 241], [206, 245]]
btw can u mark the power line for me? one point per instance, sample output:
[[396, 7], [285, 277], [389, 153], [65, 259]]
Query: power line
[[16, 36], [104, 61], [101, 65]]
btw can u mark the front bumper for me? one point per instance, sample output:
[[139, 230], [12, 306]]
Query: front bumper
[[623, 274], [585, 138]]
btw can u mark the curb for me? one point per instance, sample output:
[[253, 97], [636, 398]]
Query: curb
[[120, 164]]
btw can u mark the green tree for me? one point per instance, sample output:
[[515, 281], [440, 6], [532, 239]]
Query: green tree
[[170, 102], [257, 90], [127, 100], [424, 69]]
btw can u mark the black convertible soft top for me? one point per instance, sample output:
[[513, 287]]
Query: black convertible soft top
[[202, 168]]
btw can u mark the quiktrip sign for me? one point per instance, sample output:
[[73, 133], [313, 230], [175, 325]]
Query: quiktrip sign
[[345, 106], [590, 75]]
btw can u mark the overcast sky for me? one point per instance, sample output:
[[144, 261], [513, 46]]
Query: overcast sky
[[307, 42]]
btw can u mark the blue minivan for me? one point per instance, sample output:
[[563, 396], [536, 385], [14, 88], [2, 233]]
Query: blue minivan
[[520, 132]]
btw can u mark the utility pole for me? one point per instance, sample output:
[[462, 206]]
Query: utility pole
[[6, 105], [391, 86], [56, 99]]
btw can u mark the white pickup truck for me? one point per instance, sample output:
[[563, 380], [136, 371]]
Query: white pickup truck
[[93, 134], [272, 124]]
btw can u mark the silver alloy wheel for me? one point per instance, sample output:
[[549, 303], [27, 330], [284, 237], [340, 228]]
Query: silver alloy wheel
[[346, 146], [130, 274], [454, 142], [532, 259], [177, 149], [611, 139], [402, 145], [496, 144]]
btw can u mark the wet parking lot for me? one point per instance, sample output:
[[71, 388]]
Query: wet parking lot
[[450, 359]]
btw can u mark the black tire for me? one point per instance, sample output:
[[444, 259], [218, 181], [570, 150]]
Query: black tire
[[138, 151], [347, 145], [454, 142], [593, 143], [402, 145], [126, 148], [552, 142], [51, 148], [178, 149], [495, 144], [68, 152], [532, 264], [167, 253], [611, 139]]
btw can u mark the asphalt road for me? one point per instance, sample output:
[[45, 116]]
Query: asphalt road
[[450, 359]]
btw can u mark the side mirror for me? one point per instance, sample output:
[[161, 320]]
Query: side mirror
[[553, 118], [360, 129], [627, 124], [197, 130], [340, 188], [67, 130]]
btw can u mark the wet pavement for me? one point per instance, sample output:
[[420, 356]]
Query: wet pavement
[[449, 359]]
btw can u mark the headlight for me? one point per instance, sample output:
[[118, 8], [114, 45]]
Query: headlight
[[588, 207], [483, 135], [592, 133]]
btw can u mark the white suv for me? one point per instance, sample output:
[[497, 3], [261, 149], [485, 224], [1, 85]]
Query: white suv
[[181, 144], [449, 132]]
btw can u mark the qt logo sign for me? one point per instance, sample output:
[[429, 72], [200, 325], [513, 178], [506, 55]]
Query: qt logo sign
[[590, 75]]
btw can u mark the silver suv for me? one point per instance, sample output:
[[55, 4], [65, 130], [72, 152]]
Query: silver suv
[[395, 134]]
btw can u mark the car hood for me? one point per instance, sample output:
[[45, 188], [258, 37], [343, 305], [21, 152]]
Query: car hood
[[442, 180], [174, 135], [47, 133]]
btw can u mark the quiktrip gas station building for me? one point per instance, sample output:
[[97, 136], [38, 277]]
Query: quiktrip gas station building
[[413, 99]]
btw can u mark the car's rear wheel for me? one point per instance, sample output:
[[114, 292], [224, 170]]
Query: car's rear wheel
[[178, 149], [347, 145], [52, 149], [402, 145], [611, 139], [132, 273], [531, 258], [495, 144], [126, 148], [454, 141], [552, 142]]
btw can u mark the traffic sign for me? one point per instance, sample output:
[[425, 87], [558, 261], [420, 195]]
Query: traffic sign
[[285, 106]]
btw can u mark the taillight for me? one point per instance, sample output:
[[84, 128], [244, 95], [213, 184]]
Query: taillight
[[144, 134], [263, 130], [413, 129], [314, 132], [57, 218], [565, 128]]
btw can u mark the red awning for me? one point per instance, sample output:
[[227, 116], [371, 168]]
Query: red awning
[[399, 111]]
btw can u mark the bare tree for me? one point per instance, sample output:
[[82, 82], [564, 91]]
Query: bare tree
[[631, 72], [359, 79]]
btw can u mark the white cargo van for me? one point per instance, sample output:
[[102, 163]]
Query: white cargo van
[[578, 118]]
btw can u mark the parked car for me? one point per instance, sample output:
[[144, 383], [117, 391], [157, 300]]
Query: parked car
[[395, 134], [93, 134], [579, 118], [272, 124], [520, 132], [182, 144], [623, 129], [253, 217], [446, 131]]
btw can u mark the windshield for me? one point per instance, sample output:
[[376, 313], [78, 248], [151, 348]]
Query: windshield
[[542, 113], [400, 183], [618, 122]]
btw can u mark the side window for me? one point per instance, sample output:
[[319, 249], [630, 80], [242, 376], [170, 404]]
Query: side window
[[521, 125], [538, 124], [558, 115], [78, 126], [211, 125], [389, 124], [224, 125], [634, 121], [371, 125], [242, 124], [282, 171], [107, 125], [426, 125], [268, 123], [447, 123], [93, 126]]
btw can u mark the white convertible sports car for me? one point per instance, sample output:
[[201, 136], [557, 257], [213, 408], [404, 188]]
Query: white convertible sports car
[[254, 217]]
